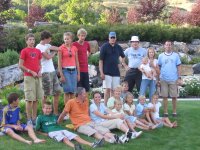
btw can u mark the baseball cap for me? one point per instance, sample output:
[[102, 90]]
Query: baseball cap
[[112, 34]]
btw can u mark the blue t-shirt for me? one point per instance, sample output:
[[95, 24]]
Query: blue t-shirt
[[168, 66], [140, 108], [110, 56], [102, 109], [135, 56], [10, 115]]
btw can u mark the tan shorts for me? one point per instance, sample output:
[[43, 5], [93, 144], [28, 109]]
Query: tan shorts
[[169, 89], [33, 88], [91, 128], [112, 124]]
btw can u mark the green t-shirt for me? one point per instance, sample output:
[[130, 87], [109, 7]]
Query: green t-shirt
[[47, 123]]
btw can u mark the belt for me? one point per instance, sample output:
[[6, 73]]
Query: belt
[[70, 69], [134, 68]]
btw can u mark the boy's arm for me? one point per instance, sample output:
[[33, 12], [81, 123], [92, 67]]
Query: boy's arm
[[24, 69], [42, 133], [61, 117]]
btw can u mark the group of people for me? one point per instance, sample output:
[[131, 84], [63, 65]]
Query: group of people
[[97, 119]]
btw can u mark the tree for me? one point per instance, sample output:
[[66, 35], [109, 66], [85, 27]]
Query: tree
[[150, 9], [110, 16], [5, 14], [36, 14], [177, 17], [133, 16], [78, 12], [194, 16]]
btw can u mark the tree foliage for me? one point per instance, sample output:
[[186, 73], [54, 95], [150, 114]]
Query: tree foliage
[[194, 16], [132, 16], [78, 12], [36, 14], [177, 17]]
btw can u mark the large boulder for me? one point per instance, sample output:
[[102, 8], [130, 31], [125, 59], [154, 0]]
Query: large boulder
[[186, 70], [94, 47], [180, 47], [196, 68], [196, 41], [10, 75]]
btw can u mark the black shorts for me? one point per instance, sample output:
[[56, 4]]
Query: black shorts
[[84, 81]]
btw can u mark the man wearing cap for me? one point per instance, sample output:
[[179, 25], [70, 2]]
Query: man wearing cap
[[170, 75], [134, 55], [109, 65]]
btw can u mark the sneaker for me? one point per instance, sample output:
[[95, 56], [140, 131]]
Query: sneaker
[[123, 139], [174, 115], [136, 134], [29, 122], [117, 140], [165, 115], [78, 147], [98, 143], [129, 134], [1, 134]]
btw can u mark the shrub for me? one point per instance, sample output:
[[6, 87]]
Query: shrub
[[94, 59], [192, 87], [9, 57]]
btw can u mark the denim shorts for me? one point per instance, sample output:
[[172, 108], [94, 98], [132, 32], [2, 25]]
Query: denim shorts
[[70, 84], [132, 119]]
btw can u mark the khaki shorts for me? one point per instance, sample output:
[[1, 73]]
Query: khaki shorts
[[111, 82], [33, 88], [50, 83], [112, 124], [60, 135], [169, 89], [91, 128]]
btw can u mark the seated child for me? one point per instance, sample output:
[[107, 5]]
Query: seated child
[[130, 120], [116, 96], [129, 109], [143, 112], [155, 106], [124, 91], [47, 124], [11, 122]]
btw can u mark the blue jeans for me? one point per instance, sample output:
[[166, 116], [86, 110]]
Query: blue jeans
[[70, 84], [148, 83]]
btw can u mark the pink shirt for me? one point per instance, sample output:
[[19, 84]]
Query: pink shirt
[[68, 56]]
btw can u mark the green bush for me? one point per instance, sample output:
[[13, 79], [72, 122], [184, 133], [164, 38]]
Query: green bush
[[192, 87], [9, 57], [94, 59]]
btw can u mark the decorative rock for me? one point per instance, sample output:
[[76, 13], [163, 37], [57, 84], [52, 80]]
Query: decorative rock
[[183, 55], [10, 75], [180, 47], [124, 46], [186, 70], [196, 41], [92, 71], [145, 44], [94, 47], [196, 68]]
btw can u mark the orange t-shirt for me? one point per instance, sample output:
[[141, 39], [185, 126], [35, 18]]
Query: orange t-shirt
[[68, 59], [78, 113]]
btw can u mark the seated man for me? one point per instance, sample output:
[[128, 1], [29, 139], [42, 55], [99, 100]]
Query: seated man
[[47, 124], [105, 117], [77, 109]]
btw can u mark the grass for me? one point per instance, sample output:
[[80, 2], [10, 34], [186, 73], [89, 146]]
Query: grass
[[185, 137]]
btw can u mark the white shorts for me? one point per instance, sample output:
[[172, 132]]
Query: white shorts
[[61, 134], [111, 82]]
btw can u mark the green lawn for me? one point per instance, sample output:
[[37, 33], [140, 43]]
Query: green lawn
[[185, 137]]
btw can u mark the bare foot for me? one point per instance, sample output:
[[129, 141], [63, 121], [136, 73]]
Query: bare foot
[[175, 124], [39, 141], [28, 142]]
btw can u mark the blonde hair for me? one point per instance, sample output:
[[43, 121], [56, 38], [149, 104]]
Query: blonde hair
[[151, 48], [124, 83], [116, 101], [141, 97], [69, 34], [81, 31], [126, 96], [29, 35]]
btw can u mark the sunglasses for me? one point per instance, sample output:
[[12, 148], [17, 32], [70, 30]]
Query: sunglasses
[[70, 52], [112, 37]]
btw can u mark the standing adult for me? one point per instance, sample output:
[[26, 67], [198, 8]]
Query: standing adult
[[109, 65], [50, 82], [135, 53], [170, 64], [83, 54]]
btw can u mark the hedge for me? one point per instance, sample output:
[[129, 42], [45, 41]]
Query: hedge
[[147, 32]]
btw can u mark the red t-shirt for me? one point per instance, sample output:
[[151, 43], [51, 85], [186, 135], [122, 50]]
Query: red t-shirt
[[31, 57], [67, 59], [82, 55]]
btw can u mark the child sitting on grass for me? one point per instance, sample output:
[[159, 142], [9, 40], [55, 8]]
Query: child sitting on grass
[[47, 124], [11, 122], [143, 112], [130, 120], [124, 91], [155, 106], [129, 109]]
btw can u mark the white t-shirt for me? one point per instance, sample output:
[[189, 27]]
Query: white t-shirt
[[118, 112], [129, 108], [146, 68], [47, 64], [157, 107]]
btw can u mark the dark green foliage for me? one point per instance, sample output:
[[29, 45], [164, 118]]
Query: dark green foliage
[[8, 58]]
